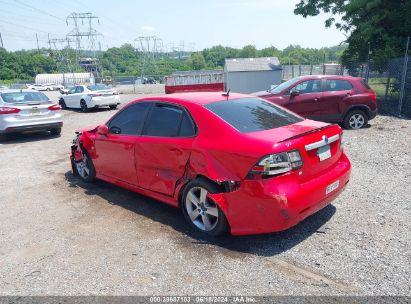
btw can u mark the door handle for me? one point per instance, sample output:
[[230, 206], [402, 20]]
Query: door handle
[[316, 99]]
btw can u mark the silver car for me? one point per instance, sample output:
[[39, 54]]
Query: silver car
[[28, 111]]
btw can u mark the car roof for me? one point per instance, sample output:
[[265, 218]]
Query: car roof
[[200, 98], [326, 77], [18, 91]]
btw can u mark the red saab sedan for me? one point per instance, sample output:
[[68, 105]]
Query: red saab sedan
[[232, 163]]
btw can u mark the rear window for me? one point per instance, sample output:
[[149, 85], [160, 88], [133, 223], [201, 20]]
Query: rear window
[[98, 87], [252, 114], [22, 97]]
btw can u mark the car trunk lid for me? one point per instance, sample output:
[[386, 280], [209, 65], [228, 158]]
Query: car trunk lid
[[318, 144]]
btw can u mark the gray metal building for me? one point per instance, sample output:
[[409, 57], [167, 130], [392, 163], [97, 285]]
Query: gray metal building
[[248, 75]]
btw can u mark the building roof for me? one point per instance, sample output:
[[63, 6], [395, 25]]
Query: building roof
[[252, 64]]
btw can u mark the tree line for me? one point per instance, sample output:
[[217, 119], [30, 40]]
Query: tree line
[[127, 61]]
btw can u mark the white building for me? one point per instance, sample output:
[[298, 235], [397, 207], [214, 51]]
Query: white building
[[66, 79]]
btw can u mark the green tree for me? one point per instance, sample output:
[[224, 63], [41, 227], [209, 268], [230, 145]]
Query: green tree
[[379, 25], [197, 61]]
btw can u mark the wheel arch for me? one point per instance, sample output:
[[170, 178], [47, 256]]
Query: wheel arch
[[363, 108]]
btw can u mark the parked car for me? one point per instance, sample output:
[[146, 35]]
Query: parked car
[[27, 111], [55, 87], [88, 97], [340, 99], [2, 87], [234, 162], [40, 87]]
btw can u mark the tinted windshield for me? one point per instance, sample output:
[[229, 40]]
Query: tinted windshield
[[22, 97], [252, 114], [284, 85], [98, 87]]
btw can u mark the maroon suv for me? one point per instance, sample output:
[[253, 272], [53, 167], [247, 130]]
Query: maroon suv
[[341, 99]]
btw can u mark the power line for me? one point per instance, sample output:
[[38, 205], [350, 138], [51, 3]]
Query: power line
[[38, 10], [23, 26]]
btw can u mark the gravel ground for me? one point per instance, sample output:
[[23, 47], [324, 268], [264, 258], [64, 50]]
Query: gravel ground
[[59, 236]]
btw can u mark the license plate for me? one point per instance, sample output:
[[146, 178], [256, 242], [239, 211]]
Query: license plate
[[324, 152], [34, 111], [332, 187]]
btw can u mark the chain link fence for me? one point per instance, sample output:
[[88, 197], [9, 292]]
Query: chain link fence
[[391, 83]]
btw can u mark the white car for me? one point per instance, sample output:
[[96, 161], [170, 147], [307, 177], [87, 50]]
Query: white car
[[2, 87], [40, 87], [89, 97]]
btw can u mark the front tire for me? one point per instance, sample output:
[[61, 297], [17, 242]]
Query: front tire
[[113, 107], [83, 106], [355, 119], [201, 212], [84, 168]]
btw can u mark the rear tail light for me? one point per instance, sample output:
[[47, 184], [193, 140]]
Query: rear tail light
[[6, 110], [373, 96], [275, 164], [54, 107], [94, 95]]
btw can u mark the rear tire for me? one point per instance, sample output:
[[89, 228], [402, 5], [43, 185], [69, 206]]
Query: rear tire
[[113, 107], [201, 212], [55, 131], [4, 137], [83, 106], [62, 104], [355, 119], [84, 168]]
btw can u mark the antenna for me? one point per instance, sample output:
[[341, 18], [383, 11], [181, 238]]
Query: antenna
[[227, 94]]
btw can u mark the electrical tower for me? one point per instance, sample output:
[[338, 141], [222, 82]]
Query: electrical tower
[[152, 49], [60, 49], [86, 40]]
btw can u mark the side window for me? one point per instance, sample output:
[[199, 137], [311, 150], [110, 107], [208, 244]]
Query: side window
[[164, 121], [129, 121], [337, 85], [79, 89], [187, 128], [72, 90], [309, 86]]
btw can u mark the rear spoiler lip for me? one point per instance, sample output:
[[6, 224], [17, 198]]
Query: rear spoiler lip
[[308, 132]]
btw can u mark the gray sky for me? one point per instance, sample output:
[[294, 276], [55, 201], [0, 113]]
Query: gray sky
[[198, 23]]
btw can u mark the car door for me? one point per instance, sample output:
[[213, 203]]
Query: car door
[[70, 97], [335, 92], [115, 153], [304, 97], [164, 149]]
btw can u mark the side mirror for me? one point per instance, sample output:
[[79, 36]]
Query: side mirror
[[102, 130], [294, 94]]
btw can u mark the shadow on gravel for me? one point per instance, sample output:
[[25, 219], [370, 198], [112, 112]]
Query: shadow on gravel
[[22, 138], [261, 245]]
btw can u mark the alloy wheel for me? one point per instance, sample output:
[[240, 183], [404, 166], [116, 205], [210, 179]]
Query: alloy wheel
[[357, 121], [201, 210], [83, 167]]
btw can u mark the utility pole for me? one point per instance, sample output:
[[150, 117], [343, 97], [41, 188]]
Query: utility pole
[[404, 76], [1, 41], [367, 75], [38, 48]]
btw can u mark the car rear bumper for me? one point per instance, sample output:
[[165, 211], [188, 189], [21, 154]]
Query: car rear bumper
[[275, 204], [97, 102], [372, 114], [32, 128]]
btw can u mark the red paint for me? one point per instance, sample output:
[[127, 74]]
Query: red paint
[[211, 87], [158, 167], [329, 106]]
